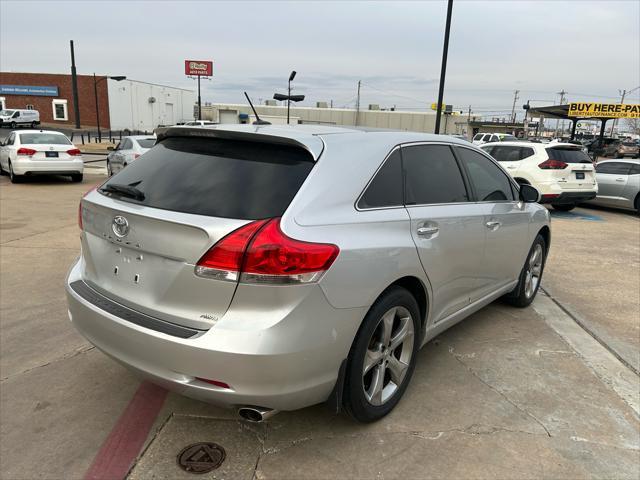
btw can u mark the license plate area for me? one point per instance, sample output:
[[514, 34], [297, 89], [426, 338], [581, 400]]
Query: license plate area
[[51, 154], [579, 175]]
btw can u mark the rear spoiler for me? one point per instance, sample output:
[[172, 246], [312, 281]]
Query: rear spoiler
[[246, 136]]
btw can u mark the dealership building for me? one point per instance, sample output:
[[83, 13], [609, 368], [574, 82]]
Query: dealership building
[[124, 104]]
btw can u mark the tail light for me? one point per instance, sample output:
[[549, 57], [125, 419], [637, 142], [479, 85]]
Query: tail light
[[26, 151], [260, 252], [80, 205], [74, 152], [552, 164]]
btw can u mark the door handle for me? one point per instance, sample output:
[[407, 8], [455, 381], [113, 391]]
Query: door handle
[[424, 231], [512, 167], [619, 179], [493, 225]]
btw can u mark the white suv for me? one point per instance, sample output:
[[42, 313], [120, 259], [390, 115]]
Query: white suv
[[482, 138], [563, 174]]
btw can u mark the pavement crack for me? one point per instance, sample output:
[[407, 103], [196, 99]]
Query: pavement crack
[[66, 356], [149, 443], [459, 358], [36, 233]]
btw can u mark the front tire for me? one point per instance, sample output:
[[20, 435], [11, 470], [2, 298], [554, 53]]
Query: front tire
[[109, 169], [563, 208], [13, 125], [33, 125], [530, 276], [383, 356]]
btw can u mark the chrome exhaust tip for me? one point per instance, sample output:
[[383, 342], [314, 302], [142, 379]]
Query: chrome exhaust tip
[[256, 414]]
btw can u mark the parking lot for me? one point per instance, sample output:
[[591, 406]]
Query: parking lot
[[550, 391]]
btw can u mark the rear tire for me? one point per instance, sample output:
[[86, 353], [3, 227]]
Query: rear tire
[[563, 208], [77, 177], [530, 276], [12, 176], [33, 124], [383, 356]]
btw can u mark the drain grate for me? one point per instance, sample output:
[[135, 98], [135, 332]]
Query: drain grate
[[201, 457]]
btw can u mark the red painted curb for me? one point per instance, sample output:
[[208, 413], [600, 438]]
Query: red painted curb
[[122, 446]]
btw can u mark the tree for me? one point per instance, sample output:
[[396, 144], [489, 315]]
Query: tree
[[633, 124]]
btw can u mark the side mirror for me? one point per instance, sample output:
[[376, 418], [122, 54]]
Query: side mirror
[[529, 194], [110, 148]]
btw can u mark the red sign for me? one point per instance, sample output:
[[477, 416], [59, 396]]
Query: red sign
[[203, 68]]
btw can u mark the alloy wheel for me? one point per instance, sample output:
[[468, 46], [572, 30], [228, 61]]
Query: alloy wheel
[[534, 270], [388, 356]]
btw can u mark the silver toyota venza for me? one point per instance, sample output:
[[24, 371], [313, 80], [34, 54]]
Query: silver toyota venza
[[270, 268]]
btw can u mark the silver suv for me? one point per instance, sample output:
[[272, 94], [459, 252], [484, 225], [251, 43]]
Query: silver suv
[[272, 268]]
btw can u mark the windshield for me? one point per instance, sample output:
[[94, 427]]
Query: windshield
[[6, 113], [44, 139], [146, 142]]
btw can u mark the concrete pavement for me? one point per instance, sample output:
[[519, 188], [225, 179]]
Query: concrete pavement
[[507, 393]]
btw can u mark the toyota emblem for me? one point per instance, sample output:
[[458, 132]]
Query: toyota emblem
[[120, 226]]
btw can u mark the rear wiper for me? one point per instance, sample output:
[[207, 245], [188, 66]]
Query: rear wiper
[[124, 190]]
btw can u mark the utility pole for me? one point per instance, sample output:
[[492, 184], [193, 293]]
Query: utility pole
[[443, 69], [513, 108], [358, 103], [562, 95], [615, 120], [74, 86]]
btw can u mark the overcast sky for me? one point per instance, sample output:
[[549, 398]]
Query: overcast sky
[[591, 49]]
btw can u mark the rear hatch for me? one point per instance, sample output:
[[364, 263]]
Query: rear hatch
[[48, 146], [142, 251], [574, 169]]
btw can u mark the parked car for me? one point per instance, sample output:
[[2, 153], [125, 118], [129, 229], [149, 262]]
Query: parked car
[[627, 149], [127, 150], [16, 117], [199, 123], [618, 184], [217, 265], [480, 138], [40, 152], [562, 172], [461, 137]]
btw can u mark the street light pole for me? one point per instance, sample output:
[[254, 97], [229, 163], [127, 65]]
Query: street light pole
[[443, 70], [117, 78]]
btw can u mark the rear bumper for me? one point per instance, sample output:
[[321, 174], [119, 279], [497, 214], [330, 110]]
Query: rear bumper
[[568, 198], [289, 364], [36, 167]]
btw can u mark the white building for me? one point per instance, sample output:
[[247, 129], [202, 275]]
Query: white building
[[143, 106], [372, 117]]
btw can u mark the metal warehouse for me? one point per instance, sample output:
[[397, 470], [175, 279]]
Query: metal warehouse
[[122, 103]]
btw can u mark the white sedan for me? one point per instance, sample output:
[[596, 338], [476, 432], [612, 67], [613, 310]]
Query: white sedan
[[127, 151], [38, 152]]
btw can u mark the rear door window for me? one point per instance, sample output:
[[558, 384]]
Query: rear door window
[[219, 178], [385, 190], [614, 168], [635, 169], [432, 175], [490, 183]]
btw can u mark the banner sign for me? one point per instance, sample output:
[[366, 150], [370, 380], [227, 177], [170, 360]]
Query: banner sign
[[604, 110], [202, 68], [34, 90]]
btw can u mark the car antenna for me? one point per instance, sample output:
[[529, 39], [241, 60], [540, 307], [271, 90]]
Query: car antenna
[[258, 121]]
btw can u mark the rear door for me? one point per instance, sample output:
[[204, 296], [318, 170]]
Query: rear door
[[612, 181], [142, 252], [505, 221], [446, 226], [578, 172]]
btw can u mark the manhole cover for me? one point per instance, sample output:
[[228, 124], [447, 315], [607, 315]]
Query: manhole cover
[[201, 457]]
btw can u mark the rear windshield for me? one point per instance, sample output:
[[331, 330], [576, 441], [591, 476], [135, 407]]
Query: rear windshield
[[43, 139], [568, 155], [629, 144], [508, 138], [146, 142], [219, 178]]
